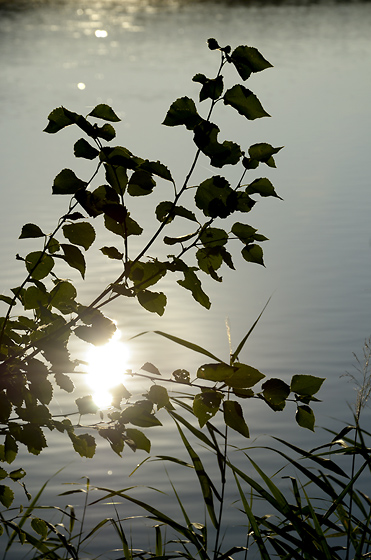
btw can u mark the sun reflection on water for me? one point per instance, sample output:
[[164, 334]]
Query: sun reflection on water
[[107, 365]]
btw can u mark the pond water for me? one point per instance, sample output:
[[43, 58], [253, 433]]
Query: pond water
[[139, 58]]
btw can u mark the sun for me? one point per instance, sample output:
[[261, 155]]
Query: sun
[[106, 369]]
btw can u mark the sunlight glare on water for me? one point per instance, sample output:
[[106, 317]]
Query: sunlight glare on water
[[107, 365]]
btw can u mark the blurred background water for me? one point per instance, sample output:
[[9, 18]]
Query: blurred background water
[[139, 57]]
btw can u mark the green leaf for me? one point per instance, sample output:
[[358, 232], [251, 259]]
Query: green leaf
[[105, 112], [40, 527], [31, 230], [215, 372], [139, 415], [216, 198], [262, 186], [247, 60], [53, 245], [128, 227], [17, 474], [145, 274], [244, 232], [263, 152], [243, 376], [306, 384], [97, 334], [86, 405], [83, 444], [206, 139], [183, 111], [211, 88], [233, 417], [6, 496], [82, 149], [10, 449], [141, 441], [192, 283], [155, 302], [74, 258], [3, 473], [66, 182], [63, 296], [209, 260], [213, 44], [159, 396], [213, 237], [150, 368], [156, 168], [141, 183], [245, 102], [253, 253], [82, 234], [64, 382], [107, 132], [33, 437], [167, 211], [34, 298], [305, 417], [59, 118], [275, 392], [117, 177], [39, 264], [206, 405], [112, 253]]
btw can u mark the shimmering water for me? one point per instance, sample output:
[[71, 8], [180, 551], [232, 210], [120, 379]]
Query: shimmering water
[[139, 58]]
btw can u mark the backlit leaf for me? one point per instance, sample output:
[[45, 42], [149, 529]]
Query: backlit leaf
[[253, 253], [261, 186], [82, 149], [247, 60], [64, 382], [66, 182], [275, 392], [206, 405], [159, 396], [81, 233], [215, 372], [105, 112], [306, 384], [245, 102], [206, 139], [39, 264], [31, 230], [74, 258], [183, 111], [305, 417], [83, 444], [243, 376], [155, 302], [40, 527], [150, 368], [86, 405], [141, 441], [192, 283], [6, 496], [140, 183], [216, 198], [112, 253], [233, 417]]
